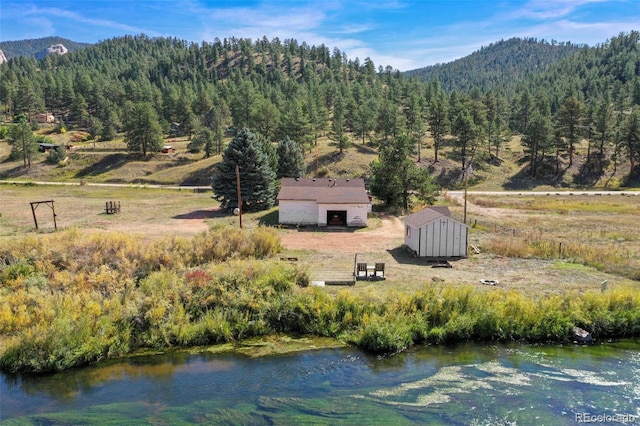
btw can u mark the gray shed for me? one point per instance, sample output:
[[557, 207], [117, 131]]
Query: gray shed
[[433, 233]]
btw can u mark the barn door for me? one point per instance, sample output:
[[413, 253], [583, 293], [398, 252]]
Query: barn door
[[336, 217]]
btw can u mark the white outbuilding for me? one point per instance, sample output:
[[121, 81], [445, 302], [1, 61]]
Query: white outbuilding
[[433, 233], [323, 202]]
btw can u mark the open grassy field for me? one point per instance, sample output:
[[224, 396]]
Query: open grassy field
[[586, 239]]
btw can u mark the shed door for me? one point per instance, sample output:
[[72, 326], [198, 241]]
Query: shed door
[[336, 217]]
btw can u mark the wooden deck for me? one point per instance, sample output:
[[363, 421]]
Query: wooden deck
[[333, 278]]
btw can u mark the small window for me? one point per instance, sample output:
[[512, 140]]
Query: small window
[[408, 231]]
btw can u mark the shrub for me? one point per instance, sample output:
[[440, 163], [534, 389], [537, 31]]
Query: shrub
[[73, 298], [388, 333]]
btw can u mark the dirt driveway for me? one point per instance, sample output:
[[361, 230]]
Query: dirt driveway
[[388, 234]]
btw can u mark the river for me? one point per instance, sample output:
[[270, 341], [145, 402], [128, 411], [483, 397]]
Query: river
[[460, 385]]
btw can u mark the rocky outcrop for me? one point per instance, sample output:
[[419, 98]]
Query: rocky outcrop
[[55, 48], [581, 336], [3, 58]]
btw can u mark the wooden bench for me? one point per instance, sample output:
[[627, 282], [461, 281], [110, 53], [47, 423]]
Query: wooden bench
[[112, 207]]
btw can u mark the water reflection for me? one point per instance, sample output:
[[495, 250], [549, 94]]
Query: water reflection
[[464, 384]]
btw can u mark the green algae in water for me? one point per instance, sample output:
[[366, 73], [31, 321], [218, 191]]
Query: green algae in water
[[124, 413], [471, 384]]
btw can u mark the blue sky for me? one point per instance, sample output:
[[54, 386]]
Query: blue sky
[[402, 33]]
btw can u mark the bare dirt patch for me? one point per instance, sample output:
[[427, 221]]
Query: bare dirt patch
[[388, 235]]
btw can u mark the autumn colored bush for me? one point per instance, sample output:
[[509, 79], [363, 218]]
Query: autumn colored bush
[[73, 298]]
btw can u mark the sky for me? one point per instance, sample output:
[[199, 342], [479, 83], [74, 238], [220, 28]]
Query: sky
[[403, 34]]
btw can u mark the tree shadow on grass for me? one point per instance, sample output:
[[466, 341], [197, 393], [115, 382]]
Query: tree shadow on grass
[[14, 172], [317, 163], [591, 171], [269, 218], [200, 177], [202, 214], [106, 164]]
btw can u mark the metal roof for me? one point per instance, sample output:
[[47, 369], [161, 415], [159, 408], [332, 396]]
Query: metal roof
[[427, 215], [324, 191]]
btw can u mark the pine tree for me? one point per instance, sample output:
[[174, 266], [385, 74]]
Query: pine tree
[[538, 140], [290, 159], [570, 118], [257, 178], [143, 132], [631, 137], [23, 142], [438, 121], [204, 139], [395, 176]]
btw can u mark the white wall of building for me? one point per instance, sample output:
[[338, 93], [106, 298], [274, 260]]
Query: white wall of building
[[356, 213], [442, 238], [304, 212]]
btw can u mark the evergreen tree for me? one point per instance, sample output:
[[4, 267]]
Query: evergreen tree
[[78, 112], [23, 142], [364, 115], [27, 99], [415, 121], [142, 130], [438, 121], [295, 123], [243, 105], [465, 131], [271, 151], [602, 124], [570, 118], [185, 117], [290, 159], [395, 176], [257, 178], [338, 131], [631, 137], [538, 140], [204, 139], [266, 118], [216, 119], [95, 128]]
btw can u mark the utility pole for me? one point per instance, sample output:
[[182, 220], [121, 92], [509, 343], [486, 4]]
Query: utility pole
[[239, 194], [466, 176]]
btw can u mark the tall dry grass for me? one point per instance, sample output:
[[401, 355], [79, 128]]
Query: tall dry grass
[[71, 298]]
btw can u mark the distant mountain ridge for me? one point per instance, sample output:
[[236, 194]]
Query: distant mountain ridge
[[35, 47], [497, 65]]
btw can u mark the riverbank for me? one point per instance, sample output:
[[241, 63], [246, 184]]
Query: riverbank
[[73, 298]]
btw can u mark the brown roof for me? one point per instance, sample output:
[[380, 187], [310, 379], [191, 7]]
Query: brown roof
[[427, 215], [339, 191]]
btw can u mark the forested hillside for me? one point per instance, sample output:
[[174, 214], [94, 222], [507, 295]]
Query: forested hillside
[[500, 65], [32, 47], [576, 110]]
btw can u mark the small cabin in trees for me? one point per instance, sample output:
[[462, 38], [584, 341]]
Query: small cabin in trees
[[323, 202], [46, 147], [433, 233], [45, 118]]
